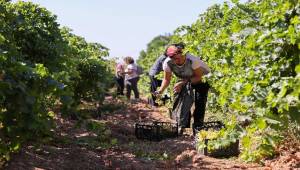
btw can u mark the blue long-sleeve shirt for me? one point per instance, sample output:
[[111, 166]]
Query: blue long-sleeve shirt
[[157, 67]]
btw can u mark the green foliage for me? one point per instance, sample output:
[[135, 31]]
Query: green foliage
[[25, 89], [42, 65], [90, 75], [92, 82], [253, 52]]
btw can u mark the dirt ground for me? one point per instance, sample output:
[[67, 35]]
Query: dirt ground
[[75, 147]]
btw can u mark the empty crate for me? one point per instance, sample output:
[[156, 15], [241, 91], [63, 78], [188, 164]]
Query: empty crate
[[155, 131]]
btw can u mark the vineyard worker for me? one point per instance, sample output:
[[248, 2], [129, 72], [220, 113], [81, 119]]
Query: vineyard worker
[[155, 69], [131, 78], [189, 69], [119, 77]]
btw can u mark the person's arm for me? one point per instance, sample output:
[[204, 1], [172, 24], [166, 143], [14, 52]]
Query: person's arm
[[197, 76], [198, 67], [165, 83], [119, 70], [129, 69], [120, 73]]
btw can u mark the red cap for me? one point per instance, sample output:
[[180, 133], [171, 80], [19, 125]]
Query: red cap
[[172, 50]]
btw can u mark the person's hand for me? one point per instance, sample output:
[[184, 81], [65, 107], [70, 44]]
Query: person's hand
[[120, 74], [157, 93], [178, 86]]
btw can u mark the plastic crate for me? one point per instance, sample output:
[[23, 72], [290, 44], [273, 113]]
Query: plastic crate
[[215, 125], [156, 131], [231, 150]]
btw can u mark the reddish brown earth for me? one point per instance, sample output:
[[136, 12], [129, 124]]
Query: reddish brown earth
[[66, 152]]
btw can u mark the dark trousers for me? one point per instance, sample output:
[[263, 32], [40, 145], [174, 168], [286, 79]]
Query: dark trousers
[[131, 84], [201, 92], [120, 85], [154, 84]]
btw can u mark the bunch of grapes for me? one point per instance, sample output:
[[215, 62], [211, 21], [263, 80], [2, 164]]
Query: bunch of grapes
[[203, 135]]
